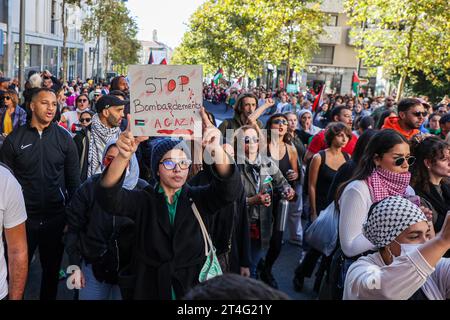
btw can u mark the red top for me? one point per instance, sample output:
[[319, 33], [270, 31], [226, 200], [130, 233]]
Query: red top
[[318, 143]]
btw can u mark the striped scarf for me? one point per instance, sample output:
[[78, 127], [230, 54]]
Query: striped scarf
[[100, 135]]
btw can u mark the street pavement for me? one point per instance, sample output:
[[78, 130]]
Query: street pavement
[[283, 270]]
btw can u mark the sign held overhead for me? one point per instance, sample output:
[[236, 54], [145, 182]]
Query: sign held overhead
[[165, 100]]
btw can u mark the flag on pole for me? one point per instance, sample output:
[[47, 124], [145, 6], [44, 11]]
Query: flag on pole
[[163, 61], [355, 83], [236, 85], [150, 58], [318, 101], [218, 76]]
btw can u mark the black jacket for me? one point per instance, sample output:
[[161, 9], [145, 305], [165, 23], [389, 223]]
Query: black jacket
[[226, 232], [46, 167], [81, 140], [168, 256], [93, 233], [440, 203]]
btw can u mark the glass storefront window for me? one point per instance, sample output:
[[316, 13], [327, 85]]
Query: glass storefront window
[[51, 59], [324, 56]]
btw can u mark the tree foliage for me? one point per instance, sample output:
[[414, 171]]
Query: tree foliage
[[111, 19], [402, 36], [240, 35]]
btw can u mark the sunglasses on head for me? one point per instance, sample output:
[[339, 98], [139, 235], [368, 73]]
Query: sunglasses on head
[[399, 161], [170, 164], [418, 114], [248, 139], [82, 120], [280, 121]]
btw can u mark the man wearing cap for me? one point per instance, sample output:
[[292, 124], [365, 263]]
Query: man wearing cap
[[104, 126]]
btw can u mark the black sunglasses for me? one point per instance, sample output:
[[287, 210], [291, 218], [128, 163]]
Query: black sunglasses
[[399, 161], [248, 139], [6, 98], [280, 121], [85, 120], [418, 114], [82, 100]]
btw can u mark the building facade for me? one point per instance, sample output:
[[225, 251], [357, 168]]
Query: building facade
[[158, 49], [44, 39], [334, 63]]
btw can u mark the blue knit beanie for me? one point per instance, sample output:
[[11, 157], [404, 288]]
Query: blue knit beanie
[[160, 147]]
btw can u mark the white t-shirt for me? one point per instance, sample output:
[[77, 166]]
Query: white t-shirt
[[369, 278], [12, 213]]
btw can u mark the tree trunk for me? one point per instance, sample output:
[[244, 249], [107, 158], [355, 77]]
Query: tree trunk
[[65, 32], [98, 55], [401, 87], [288, 60]]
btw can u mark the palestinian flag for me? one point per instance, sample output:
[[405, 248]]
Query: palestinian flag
[[139, 123], [150, 58], [355, 83], [318, 101], [218, 76]]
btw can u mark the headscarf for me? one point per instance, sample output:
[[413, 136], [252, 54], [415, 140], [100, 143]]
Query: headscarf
[[388, 218], [132, 175]]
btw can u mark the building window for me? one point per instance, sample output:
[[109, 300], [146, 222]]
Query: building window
[[51, 59], [325, 55], [32, 61], [3, 11], [332, 20]]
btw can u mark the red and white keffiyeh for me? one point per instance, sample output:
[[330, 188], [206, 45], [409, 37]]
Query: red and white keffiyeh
[[383, 183]]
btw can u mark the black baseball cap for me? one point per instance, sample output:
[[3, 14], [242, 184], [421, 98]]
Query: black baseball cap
[[3, 79], [108, 101]]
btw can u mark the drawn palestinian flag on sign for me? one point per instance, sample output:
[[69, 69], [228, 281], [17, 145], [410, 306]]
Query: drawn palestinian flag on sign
[[139, 123]]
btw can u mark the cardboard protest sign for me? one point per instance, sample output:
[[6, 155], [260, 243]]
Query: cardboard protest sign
[[165, 100]]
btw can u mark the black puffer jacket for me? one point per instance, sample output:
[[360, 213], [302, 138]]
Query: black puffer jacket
[[92, 232]]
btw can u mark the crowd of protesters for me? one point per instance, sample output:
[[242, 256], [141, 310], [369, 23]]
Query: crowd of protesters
[[130, 212]]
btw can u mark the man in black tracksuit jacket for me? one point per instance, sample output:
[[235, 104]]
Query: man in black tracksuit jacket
[[44, 160]]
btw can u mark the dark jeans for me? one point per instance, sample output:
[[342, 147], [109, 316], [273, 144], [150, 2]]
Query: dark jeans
[[47, 233], [276, 242], [306, 268]]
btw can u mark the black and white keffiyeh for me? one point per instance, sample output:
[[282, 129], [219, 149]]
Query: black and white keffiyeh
[[100, 135], [390, 217]]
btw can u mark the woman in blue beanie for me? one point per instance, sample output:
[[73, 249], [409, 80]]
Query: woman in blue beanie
[[169, 249]]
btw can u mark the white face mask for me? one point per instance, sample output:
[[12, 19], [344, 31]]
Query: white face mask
[[408, 247]]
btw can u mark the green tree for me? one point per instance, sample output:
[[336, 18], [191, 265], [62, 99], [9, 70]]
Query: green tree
[[111, 20], [240, 35], [65, 28], [292, 30], [402, 36], [420, 85]]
